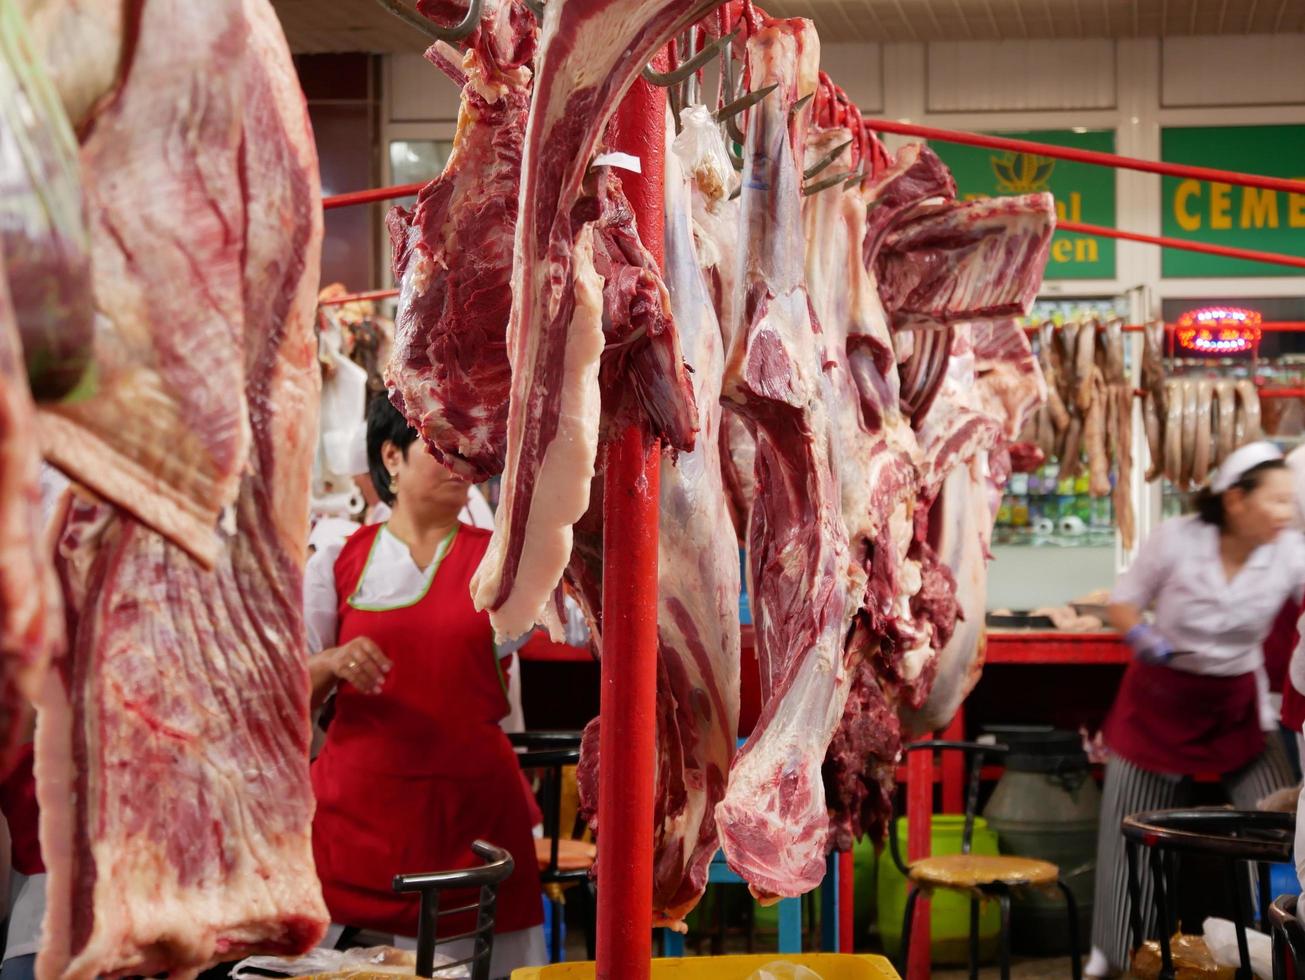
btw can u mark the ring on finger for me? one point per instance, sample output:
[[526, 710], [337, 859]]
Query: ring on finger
[[353, 665]]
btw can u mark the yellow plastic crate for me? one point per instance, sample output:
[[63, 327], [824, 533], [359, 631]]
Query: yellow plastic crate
[[830, 966]]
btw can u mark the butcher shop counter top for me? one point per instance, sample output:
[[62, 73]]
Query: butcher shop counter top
[[1015, 646], [1005, 646]]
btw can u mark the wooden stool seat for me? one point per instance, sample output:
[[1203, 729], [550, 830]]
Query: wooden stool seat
[[974, 871], [572, 855]]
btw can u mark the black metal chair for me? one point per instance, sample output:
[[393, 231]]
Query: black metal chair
[[1288, 939], [498, 865], [563, 862], [1240, 837], [983, 876]]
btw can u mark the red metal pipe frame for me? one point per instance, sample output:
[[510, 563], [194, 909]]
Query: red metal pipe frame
[[628, 700], [1251, 255], [367, 296], [1089, 156]]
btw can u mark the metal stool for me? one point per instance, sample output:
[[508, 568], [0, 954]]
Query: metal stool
[[1240, 837], [1288, 939], [563, 861], [498, 865], [983, 876]]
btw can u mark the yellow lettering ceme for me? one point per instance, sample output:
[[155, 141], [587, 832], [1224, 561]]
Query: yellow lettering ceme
[[1187, 219], [1256, 208], [1259, 208], [1220, 206]]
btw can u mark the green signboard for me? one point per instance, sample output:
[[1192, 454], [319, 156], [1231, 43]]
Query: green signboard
[[1083, 192], [1221, 214]]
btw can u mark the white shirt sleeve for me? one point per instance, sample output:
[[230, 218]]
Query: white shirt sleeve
[[321, 604], [1142, 581]]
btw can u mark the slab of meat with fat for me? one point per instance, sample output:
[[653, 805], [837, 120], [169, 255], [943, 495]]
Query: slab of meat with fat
[[42, 220], [31, 617], [452, 254], [590, 51], [162, 437], [172, 752], [773, 822], [698, 595]]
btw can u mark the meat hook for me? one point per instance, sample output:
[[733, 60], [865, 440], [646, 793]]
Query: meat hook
[[800, 104], [825, 161], [828, 182], [727, 113], [667, 79], [430, 29]]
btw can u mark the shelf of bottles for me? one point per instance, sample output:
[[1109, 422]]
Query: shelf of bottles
[[1040, 509]]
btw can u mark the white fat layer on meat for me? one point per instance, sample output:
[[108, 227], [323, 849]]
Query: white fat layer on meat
[[774, 822], [567, 469]]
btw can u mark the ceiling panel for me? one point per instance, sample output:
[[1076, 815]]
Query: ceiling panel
[[363, 25]]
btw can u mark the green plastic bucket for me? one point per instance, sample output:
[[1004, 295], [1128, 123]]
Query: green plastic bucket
[[950, 920]]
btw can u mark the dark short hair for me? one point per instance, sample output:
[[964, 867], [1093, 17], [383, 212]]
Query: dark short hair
[[385, 424], [1209, 505]]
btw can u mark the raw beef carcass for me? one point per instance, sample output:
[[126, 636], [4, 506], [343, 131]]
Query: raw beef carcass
[[42, 223], [172, 743], [804, 586], [31, 618], [966, 260], [698, 597], [162, 438], [590, 51], [873, 458], [449, 371], [1007, 389]]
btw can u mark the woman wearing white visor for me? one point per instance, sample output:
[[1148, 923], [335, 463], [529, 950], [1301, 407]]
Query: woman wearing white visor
[[1195, 698]]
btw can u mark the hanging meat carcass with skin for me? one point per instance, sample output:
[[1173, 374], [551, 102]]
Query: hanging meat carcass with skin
[[804, 585], [589, 53], [31, 617], [173, 739], [42, 221], [873, 450], [698, 594], [163, 185], [452, 253]]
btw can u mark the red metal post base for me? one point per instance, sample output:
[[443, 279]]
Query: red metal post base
[[627, 749]]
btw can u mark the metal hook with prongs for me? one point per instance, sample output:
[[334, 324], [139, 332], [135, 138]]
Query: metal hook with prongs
[[726, 114], [828, 182], [432, 30], [800, 104], [825, 161], [674, 77]]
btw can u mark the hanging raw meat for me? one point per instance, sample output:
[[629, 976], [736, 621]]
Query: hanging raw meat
[[452, 254], [162, 438], [31, 618], [42, 222], [172, 755], [556, 329], [698, 584], [805, 588]]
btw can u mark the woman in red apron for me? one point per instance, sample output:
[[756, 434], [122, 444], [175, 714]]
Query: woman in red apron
[[1195, 698], [415, 766]]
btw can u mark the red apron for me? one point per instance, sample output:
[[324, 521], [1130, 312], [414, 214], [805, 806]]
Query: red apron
[[1172, 721], [1278, 649], [408, 778]]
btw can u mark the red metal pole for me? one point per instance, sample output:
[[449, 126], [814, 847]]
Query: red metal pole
[[371, 196], [1227, 251], [628, 703], [1285, 184], [919, 829], [371, 294]]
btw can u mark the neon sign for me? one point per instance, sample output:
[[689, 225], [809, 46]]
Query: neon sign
[[1219, 330]]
